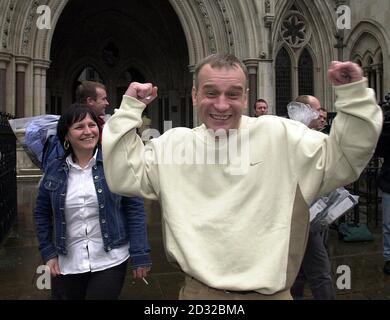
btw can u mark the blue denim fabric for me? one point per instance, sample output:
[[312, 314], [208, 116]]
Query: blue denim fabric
[[52, 150], [122, 219], [386, 225]]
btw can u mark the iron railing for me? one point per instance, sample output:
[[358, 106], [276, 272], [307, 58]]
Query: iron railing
[[8, 204]]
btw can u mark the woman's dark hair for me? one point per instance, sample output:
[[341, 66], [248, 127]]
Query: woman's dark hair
[[74, 113]]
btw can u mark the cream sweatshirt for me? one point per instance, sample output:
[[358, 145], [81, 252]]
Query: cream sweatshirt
[[235, 213]]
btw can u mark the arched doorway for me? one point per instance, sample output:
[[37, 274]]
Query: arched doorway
[[144, 38]]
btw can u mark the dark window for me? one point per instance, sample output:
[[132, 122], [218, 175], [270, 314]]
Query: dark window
[[305, 74], [183, 113], [371, 74], [59, 105], [160, 115], [374, 74], [283, 82], [167, 114], [191, 113], [52, 105]]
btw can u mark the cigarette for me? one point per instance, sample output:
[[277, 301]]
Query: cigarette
[[144, 280]]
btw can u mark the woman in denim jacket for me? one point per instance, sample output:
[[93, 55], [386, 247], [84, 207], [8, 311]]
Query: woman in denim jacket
[[86, 233]]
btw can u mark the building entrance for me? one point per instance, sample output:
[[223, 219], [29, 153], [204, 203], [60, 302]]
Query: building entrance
[[116, 42]]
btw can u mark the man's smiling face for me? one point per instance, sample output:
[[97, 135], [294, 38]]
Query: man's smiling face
[[221, 97]]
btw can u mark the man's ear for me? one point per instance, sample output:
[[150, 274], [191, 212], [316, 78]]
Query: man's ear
[[89, 101], [194, 99]]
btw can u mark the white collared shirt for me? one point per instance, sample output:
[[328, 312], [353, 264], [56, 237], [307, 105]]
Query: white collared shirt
[[84, 241]]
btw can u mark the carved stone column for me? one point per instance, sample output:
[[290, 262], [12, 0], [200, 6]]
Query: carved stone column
[[4, 60], [194, 109], [266, 72], [252, 66], [379, 82], [40, 67], [20, 92]]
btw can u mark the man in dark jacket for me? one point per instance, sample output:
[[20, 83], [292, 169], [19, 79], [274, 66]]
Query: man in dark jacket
[[383, 151]]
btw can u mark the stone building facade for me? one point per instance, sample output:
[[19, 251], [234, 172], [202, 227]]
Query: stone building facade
[[46, 46]]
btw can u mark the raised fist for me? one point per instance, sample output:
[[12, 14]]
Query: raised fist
[[344, 72], [144, 92]]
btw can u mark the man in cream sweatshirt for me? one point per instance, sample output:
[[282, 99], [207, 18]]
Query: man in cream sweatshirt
[[234, 191]]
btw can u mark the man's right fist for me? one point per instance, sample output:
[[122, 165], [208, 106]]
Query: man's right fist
[[340, 73], [144, 92]]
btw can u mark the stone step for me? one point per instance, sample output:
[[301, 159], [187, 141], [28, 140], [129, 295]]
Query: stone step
[[26, 178], [29, 175]]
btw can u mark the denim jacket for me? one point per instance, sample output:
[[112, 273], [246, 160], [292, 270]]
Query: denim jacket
[[122, 219]]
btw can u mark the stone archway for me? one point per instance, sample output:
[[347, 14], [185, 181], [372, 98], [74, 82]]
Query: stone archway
[[369, 40], [206, 26], [313, 21], [116, 36]]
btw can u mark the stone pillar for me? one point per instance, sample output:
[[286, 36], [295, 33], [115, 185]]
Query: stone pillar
[[266, 84], [252, 66], [2, 86], [37, 92], [4, 60], [266, 71], [378, 83], [40, 67], [194, 109], [20, 92]]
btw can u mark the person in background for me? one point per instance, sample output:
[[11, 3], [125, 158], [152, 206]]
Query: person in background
[[261, 107], [383, 151], [238, 228], [315, 104], [94, 95], [315, 268], [86, 233], [323, 118]]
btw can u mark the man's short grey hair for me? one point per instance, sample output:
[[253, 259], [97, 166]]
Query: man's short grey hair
[[219, 61]]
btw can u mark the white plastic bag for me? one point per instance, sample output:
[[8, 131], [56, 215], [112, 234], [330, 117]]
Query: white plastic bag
[[36, 131], [301, 112]]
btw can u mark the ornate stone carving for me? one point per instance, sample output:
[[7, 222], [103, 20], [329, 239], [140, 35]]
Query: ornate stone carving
[[294, 30], [267, 6], [268, 20], [207, 22], [110, 54], [28, 26], [340, 2], [7, 23], [228, 26]]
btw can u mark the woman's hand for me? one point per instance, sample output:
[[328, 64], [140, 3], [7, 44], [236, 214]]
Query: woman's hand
[[140, 272], [54, 267]]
